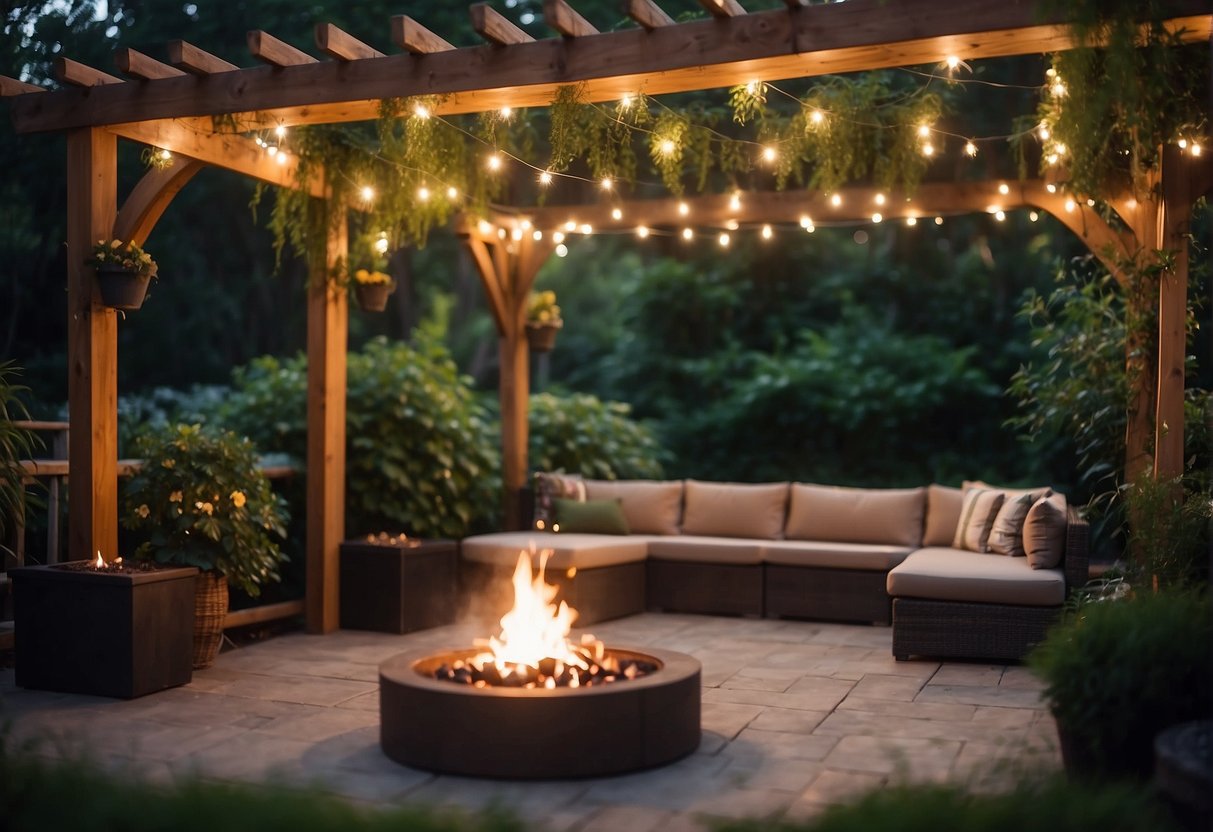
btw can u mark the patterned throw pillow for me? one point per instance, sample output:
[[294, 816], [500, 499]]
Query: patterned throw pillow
[[1006, 535], [549, 487], [977, 514]]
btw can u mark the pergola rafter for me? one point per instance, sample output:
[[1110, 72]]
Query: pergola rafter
[[170, 106]]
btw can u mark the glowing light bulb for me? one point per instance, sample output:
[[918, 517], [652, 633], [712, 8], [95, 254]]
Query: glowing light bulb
[[939, 220], [667, 147], [516, 234], [562, 250], [367, 193], [836, 200], [536, 235], [684, 209], [923, 131], [735, 201], [1050, 72], [1090, 203], [452, 192], [928, 149], [952, 61], [381, 245], [1058, 89], [811, 228], [1195, 150], [501, 233], [732, 225], [724, 240], [557, 236], [280, 131], [545, 178], [165, 155], [1183, 144], [1004, 189], [817, 116], [1000, 215], [1051, 158], [495, 161], [571, 225], [879, 199], [970, 149], [1051, 188], [616, 214], [1043, 132], [484, 227], [1070, 206], [688, 234], [752, 86], [506, 112], [769, 154], [421, 111], [423, 193], [1061, 149], [606, 183], [767, 233], [642, 231], [911, 221], [586, 228], [625, 102], [1033, 216], [876, 218], [805, 221], [526, 225], [272, 150]]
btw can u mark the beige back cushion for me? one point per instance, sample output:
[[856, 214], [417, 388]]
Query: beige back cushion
[[977, 514], [1010, 492], [730, 509], [1044, 532], [856, 515], [1006, 535], [943, 513], [650, 506]]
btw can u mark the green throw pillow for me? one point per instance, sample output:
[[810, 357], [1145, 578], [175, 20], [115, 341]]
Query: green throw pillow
[[590, 517]]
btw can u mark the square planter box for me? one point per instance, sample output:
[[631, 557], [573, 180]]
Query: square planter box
[[103, 633], [398, 588]]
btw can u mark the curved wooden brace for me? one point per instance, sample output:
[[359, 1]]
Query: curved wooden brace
[[147, 202], [1105, 242]]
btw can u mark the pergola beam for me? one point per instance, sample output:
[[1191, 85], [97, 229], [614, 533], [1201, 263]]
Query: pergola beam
[[77, 74], [722, 8], [342, 45], [494, 28], [277, 53], [149, 199], [195, 61], [11, 86], [647, 13], [138, 65], [564, 19], [410, 35], [702, 54]]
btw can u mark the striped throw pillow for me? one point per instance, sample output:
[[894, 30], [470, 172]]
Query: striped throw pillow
[[977, 512], [1006, 535]]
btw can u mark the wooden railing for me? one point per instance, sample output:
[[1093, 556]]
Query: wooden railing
[[54, 472]]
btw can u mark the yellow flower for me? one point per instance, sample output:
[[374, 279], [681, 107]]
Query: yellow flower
[[238, 499], [169, 463], [175, 497], [205, 508], [115, 243], [143, 510]]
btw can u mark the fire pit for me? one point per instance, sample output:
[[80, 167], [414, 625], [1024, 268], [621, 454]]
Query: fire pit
[[530, 704]]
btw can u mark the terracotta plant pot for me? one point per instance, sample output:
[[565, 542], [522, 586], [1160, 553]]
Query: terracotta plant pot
[[372, 297], [121, 288], [541, 338], [210, 608]]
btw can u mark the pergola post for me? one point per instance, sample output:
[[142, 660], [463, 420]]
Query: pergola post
[[92, 349], [507, 264], [327, 343]]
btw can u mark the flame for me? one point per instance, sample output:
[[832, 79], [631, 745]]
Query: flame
[[100, 561], [535, 629]]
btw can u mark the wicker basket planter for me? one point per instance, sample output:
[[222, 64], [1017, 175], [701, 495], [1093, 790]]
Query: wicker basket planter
[[210, 609], [541, 338], [122, 288], [372, 297]]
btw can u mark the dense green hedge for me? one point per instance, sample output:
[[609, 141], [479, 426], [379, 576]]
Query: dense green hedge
[[582, 434]]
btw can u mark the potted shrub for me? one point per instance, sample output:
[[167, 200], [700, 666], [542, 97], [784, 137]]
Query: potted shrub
[[372, 289], [542, 321], [123, 272], [203, 502], [1120, 671]]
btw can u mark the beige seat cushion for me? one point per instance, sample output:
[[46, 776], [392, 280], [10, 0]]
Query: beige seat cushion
[[731, 509], [580, 551], [943, 514], [946, 574], [834, 555], [891, 516], [650, 506], [735, 551]]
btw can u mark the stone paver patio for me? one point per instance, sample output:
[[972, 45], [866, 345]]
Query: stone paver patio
[[796, 716]]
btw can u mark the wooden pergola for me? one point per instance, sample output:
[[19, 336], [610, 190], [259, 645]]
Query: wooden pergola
[[170, 104]]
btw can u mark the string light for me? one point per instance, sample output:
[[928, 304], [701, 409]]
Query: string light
[[616, 214], [1000, 215], [1195, 150], [606, 184], [684, 209], [877, 217], [1004, 189], [970, 149], [1061, 149], [769, 154], [495, 161], [452, 193], [642, 231], [735, 201], [586, 229], [562, 250], [557, 236], [506, 112], [367, 193], [805, 221], [280, 131], [545, 178], [625, 102], [571, 225], [526, 225], [501, 233], [817, 116], [732, 225], [811, 228], [484, 227], [767, 233], [1090, 203], [1183, 144], [423, 193], [724, 240], [536, 235], [1033, 216], [1051, 188], [928, 149], [516, 234], [667, 147], [924, 131], [1051, 158], [952, 61], [1058, 89], [911, 221], [421, 111], [381, 244], [1050, 72], [879, 199], [165, 155], [836, 200], [688, 234], [939, 220], [1043, 132], [1070, 206], [272, 150]]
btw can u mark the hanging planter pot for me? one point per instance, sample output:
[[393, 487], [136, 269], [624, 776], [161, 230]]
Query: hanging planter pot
[[122, 288], [372, 297], [541, 338]]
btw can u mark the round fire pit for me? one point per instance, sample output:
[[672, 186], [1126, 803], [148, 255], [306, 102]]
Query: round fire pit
[[538, 733]]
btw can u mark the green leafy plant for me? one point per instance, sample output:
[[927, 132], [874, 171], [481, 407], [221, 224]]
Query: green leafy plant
[[1169, 537], [16, 444], [128, 256], [583, 435], [541, 310], [203, 502], [1118, 672]]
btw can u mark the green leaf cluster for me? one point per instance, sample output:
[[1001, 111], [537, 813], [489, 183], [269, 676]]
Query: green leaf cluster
[[1119, 672], [16, 444], [202, 501], [582, 434]]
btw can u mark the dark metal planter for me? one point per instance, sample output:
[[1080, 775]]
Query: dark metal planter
[[121, 288], [103, 633]]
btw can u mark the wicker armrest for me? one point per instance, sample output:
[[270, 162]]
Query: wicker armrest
[[1077, 558]]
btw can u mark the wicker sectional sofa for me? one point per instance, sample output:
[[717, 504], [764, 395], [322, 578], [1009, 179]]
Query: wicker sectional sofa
[[797, 550]]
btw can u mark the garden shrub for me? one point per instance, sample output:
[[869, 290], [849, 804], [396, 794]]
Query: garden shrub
[[421, 452], [583, 435]]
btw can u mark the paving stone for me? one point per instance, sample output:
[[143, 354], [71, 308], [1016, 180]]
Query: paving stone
[[753, 744], [912, 710], [822, 701], [630, 818], [833, 786], [877, 686], [996, 696], [788, 720], [726, 719], [1021, 677], [739, 682], [908, 757], [745, 803], [968, 674], [864, 723], [1006, 717]]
